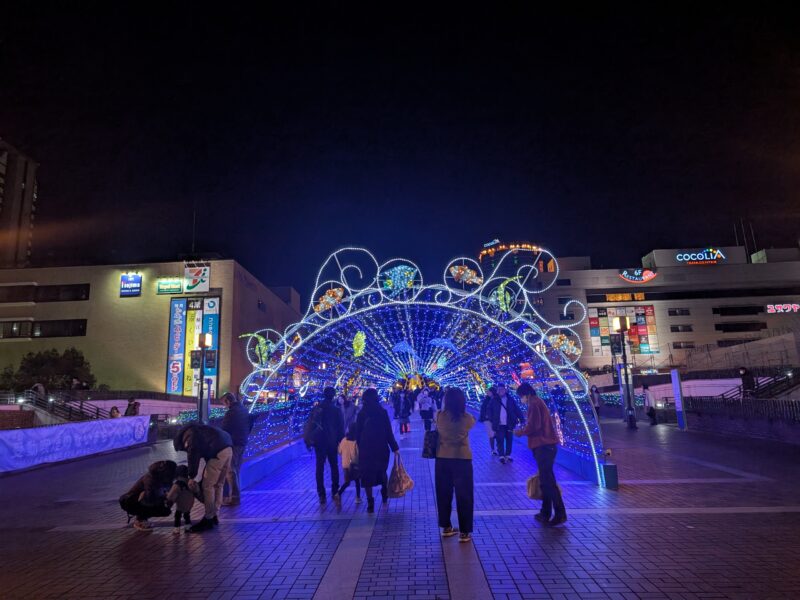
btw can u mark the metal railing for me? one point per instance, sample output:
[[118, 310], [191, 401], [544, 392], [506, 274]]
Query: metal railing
[[773, 409]]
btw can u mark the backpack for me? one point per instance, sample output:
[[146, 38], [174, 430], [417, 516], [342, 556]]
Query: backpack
[[313, 430]]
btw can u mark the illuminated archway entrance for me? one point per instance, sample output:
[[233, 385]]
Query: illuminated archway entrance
[[370, 325]]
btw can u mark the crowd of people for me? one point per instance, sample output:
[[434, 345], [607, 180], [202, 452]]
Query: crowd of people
[[359, 431]]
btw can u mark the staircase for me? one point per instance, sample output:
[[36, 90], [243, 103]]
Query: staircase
[[62, 405]]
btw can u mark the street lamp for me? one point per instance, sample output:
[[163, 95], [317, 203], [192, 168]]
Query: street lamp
[[621, 325], [204, 341]]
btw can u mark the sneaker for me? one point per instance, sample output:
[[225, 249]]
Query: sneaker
[[449, 532], [465, 537], [176, 531], [202, 525], [503, 459], [541, 517], [141, 525], [494, 452], [509, 459], [358, 500]]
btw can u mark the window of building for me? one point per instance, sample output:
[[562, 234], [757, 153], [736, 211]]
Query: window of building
[[566, 317], [44, 293], [681, 328], [737, 311], [564, 282], [59, 328], [737, 327], [682, 345], [679, 312], [564, 299]]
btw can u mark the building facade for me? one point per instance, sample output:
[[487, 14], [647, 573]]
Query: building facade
[[683, 303], [137, 324], [18, 197]]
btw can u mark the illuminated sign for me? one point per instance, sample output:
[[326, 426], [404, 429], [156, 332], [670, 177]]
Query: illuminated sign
[[170, 285], [130, 284], [188, 319], [709, 256], [637, 275], [494, 242], [782, 308], [642, 335], [197, 279]]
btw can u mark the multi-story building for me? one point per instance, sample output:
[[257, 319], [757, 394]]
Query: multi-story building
[[137, 324], [18, 195], [687, 307], [683, 303]]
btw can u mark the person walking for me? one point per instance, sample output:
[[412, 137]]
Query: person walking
[[213, 445], [406, 407], [329, 425], [453, 470], [596, 399], [484, 417], [349, 410], [505, 414], [543, 441], [425, 408], [649, 404], [238, 423], [375, 438]]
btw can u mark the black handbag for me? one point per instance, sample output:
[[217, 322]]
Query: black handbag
[[430, 443]]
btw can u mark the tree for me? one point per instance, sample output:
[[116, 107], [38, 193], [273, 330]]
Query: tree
[[53, 370]]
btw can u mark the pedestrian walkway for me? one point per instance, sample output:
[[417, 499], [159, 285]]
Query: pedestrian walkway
[[696, 516]]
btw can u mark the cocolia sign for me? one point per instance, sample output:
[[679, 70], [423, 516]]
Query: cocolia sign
[[709, 256]]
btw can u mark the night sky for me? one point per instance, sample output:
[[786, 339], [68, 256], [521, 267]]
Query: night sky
[[415, 135]]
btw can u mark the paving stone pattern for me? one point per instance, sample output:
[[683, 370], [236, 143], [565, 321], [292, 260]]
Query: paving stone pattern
[[696, 516]]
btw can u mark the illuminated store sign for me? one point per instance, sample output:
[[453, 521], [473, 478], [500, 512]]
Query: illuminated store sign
[[130, 284], [494, 242], [709, 256], [190, 318], [782, 308], [197, 279], [637, 275], [170, 285]]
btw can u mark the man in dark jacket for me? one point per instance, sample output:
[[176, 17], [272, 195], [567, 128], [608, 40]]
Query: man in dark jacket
[[237, 422], [504, 414], [326, 444], [214, 446]]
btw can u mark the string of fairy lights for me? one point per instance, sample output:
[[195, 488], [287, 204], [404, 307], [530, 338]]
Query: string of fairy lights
[[371, 324]]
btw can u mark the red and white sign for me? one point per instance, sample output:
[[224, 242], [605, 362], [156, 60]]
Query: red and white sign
[[782, 308]]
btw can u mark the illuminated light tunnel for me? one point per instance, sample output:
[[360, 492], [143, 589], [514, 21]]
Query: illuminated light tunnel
[[370, 325]]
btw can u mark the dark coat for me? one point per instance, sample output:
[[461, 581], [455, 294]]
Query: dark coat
[[200, 441], [237, 423], [514, 414], [375, 439], [484, 414], [332, 427], [151, 488]]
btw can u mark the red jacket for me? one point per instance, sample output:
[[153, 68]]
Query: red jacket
[[539, 427]]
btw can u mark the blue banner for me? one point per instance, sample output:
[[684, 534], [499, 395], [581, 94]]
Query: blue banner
[[175, 351]]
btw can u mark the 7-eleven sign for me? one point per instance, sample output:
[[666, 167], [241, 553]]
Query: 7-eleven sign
[[196, 279]]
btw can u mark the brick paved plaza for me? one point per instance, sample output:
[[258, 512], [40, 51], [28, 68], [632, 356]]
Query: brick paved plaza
[[696, 516]]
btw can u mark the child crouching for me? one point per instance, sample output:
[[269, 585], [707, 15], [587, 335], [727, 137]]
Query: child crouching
[[182, 496], [349, 451]]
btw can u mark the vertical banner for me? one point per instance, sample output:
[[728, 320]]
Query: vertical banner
[[194, 324], [211, 325], [677, 393], [176, 343]]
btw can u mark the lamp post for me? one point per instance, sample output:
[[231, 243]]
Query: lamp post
[[204, 341], [621, 325]]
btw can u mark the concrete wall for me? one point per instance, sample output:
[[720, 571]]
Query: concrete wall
[[147, 407]]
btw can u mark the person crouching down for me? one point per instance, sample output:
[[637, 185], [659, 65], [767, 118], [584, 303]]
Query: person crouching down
[[543, 441], [214, 446], [349, 451], [181, 495], [147, 497]]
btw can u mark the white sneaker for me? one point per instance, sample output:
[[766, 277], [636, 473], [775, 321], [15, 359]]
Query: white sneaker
[[176, 531], [141, 525], [358, 500], [503, 459]]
